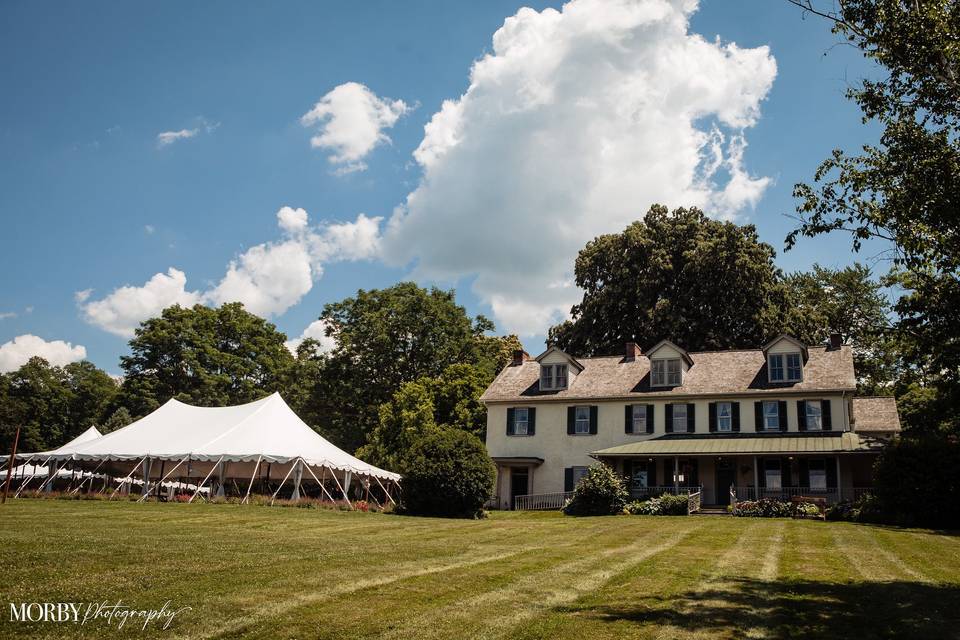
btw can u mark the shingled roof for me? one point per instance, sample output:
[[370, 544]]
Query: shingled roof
[[712, 372], [877, 414]]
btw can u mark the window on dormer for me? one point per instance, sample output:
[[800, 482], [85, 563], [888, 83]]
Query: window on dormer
[[553, 376], [785, 367], [666, 372]]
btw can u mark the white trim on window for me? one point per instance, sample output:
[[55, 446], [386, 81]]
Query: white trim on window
[[666, 372], [521, 421], [724, 416], [680, 417], [785, 367], [578, 473], [814, 412], [771, 415], [581, 423], [638, 422], [553, 377], [817, 474]]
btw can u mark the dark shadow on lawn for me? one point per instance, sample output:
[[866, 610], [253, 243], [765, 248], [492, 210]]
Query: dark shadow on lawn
[[799, 609]]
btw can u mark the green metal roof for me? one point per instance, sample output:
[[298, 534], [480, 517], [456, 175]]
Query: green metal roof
[[736, 444]]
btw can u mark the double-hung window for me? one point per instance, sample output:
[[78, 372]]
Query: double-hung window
[[814, 413], [582, 424], [785, 367], [724, 416], [578, 473], [817, 471], [553, 376], [771, 415], [666, 372], [679, 417], [639, 418], [521, 419]]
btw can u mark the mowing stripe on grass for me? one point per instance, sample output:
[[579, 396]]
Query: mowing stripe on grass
[[867, 537]]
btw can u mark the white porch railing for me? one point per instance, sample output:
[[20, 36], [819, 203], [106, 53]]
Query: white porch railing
[[653, 492], [541, 501], [751, 493], [693, 502]]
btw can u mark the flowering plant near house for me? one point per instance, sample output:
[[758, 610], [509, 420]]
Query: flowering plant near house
[[599, 493]]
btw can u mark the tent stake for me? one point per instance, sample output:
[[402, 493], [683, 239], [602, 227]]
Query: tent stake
[[246, 498], [200, 486]]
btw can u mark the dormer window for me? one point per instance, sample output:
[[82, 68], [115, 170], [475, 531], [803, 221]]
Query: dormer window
[[553, 377], [785, 367], [666, 372]]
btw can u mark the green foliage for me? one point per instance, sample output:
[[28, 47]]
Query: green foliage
[[763, 508], [666, 505], [917, 481], [386, 338], [904, 190], [51, 404], [404, 419], [203, 356], [599, 493], [703, 283], [849, 302], [117, 420], [447, 473], [864, 509]]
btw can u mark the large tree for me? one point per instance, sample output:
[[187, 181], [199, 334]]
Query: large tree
[[204, 356], [905, 188], [385, 338], [52, 404], [853, 304], [702, 283]]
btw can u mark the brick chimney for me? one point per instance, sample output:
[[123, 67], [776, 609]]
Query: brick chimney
[[835, 341], [633, 351], [519, 357]]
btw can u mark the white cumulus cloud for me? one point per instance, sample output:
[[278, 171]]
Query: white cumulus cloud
[[572, 126], [351, 119], [317, 331], [17, 352], [126, 307], [169, 137], [267, 278]]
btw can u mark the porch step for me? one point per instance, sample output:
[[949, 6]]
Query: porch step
[[712, 511]]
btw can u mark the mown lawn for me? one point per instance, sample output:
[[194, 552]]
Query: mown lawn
[[259, 572]]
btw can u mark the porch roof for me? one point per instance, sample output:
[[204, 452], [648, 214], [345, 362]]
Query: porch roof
[[733, 444]]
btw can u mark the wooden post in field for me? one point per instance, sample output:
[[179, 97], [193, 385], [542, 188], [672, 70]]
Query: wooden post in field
[[13, 459]]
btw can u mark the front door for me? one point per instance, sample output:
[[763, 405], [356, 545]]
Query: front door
[[726, 476], [519, 484]]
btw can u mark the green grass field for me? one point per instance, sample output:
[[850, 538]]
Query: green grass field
[[259, 572]]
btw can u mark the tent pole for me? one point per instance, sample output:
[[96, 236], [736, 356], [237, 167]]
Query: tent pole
[[322, 488], [82, 481], [163, 465], [334, 474], [385, 492], [24, 485], [51, 476], [165, 477], [22, 466], [274, 497], [200, 486], [129, 475], [252, 478]]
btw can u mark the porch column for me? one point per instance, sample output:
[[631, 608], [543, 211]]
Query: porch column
[[756, 479], [676, 474], [839, 482]]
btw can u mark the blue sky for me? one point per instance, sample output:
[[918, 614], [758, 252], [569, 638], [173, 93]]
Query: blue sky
[[91, 201]]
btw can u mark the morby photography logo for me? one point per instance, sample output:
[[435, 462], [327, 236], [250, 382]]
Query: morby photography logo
[[118, 613]]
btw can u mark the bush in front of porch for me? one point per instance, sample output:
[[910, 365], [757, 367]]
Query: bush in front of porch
[[666, 505], [599, 493]]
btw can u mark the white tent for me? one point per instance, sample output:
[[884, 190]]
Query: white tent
[[263, 440]]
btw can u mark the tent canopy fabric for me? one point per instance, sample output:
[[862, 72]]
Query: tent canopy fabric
[[266, 430]]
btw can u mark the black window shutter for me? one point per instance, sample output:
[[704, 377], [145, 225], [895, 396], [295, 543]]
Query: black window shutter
[[594, 410], [511, 418], [826, 418], [649, 418], [782, 411], [735, 415], [628, 419], [831, 472], [713, 416], [668, 416], [531, 421], [801, 415], [758, 415], [804, 473], [691, 418], [571, 421], [568, 479]]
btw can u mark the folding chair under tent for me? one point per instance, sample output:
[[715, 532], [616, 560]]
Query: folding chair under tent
[[224, 448]]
